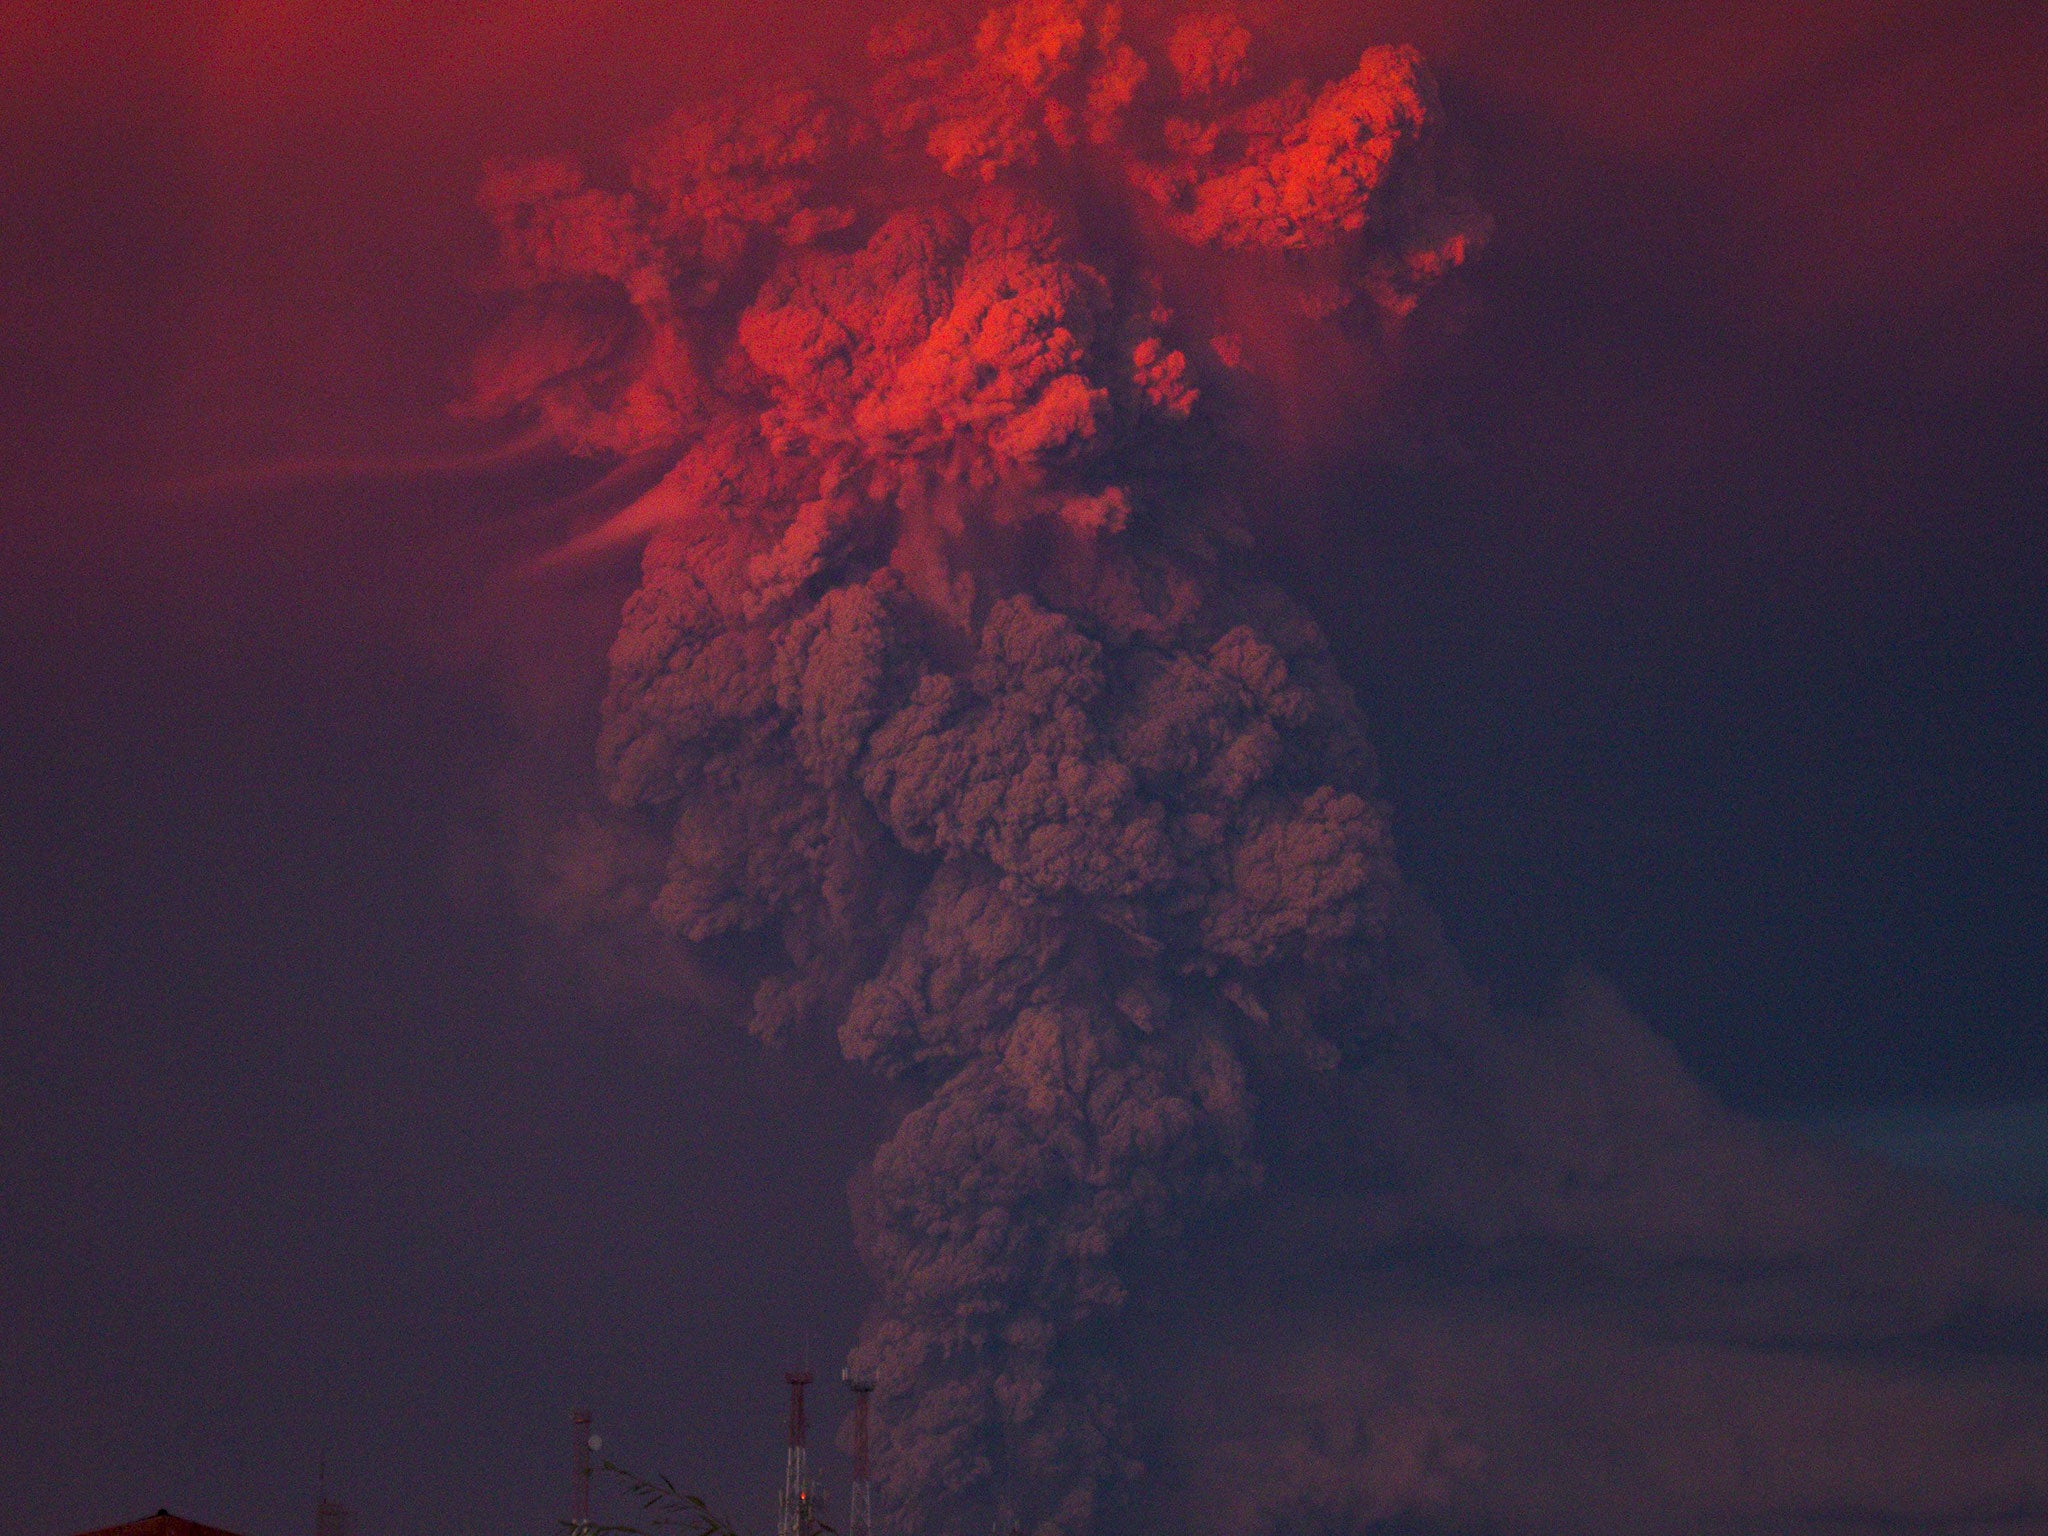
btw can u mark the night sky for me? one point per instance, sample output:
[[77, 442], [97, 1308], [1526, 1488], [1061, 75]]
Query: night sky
[[1695, 598]]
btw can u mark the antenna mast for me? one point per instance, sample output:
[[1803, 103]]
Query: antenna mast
[[579, 1504], [330, 1517], [796, 1472], [860, 1520]]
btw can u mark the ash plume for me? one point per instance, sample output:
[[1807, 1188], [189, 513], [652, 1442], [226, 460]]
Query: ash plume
[[945, 687]]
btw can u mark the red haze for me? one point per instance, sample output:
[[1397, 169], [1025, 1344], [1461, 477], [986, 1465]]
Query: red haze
[[246, 239]]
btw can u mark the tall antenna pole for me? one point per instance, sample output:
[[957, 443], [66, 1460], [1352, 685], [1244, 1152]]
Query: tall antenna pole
[[579, 1504], [330, 1517], [860, 1519], [796, 1471]]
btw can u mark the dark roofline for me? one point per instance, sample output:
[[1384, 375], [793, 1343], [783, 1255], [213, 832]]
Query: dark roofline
[[162, 1523]]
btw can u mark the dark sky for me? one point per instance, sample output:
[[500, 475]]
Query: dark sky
[[1698, 606]]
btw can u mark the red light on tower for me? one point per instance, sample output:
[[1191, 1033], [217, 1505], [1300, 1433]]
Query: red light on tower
[[796, 1471]]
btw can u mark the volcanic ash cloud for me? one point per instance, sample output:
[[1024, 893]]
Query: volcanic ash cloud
[[943, 686]]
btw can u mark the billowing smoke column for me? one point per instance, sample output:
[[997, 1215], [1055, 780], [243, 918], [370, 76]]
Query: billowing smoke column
[[935, 674], [941, 688]]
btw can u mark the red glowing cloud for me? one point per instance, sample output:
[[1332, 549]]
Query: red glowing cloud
[[947, 715], [994, 268]]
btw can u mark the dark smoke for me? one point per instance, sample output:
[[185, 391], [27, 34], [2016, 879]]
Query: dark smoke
[[946, 705]]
